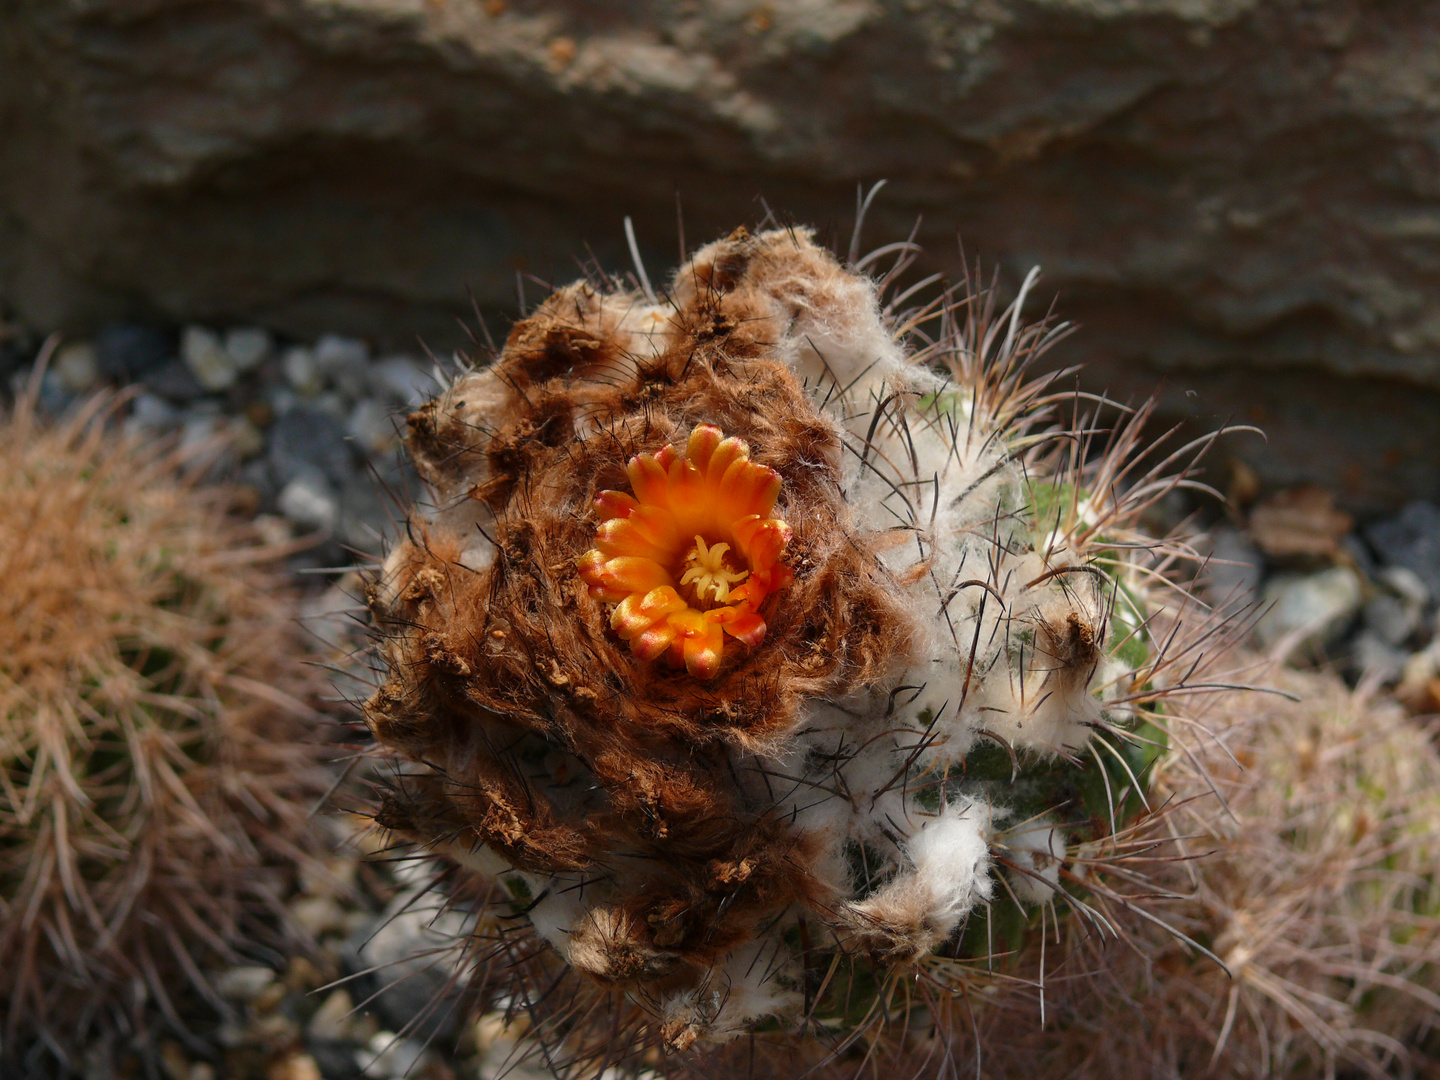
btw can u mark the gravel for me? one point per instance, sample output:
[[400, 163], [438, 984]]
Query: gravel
[[1411, 539]]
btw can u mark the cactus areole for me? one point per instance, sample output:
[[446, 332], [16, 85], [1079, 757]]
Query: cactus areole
[[754, 625]]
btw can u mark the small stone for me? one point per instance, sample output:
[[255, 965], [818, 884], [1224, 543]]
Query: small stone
[[126, 351], [76, 366], [1406, 584], [274, 530], [1390, 619], [260, 413], [317, 915], [331, 1022], [274, 1031], [295, 1066], [205, 356], [301, 370], [388, 1056], [344, 363], [1316, 607], [334, 403], [330, 623], [151, 415], [1411, 539], [400, 959], [173, 1061], [309, 438], [231, 1034], [248, 346], [309, 502], [372, 426], [335, 1059], [173, 380], [1299, 522], [1372, 656], [246, 440], [403, 380], [243, 984], [201, 433]]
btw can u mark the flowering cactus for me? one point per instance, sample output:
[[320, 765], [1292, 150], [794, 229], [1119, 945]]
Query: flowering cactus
[[763, 625]]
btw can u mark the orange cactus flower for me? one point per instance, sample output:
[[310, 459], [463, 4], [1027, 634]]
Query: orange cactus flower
[[692, 554]]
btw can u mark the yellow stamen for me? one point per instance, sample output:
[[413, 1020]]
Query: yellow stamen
[[710, 572]]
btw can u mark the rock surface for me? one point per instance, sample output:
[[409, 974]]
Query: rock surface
[[1214, 187]]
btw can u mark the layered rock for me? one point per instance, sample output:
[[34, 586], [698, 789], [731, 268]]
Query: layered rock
[[1243, 195]]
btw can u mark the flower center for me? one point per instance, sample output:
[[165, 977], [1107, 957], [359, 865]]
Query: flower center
[[708, 574]]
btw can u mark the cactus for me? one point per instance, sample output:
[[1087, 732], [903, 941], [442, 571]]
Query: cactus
[[776, 650], [154, 781]]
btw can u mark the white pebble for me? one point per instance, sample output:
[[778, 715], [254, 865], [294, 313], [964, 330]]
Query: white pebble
[[244, 983], [207, 359], [149, 414], [248, 346], [389, 1056], [301, 370], [343, 362], [333, 1019], [75, 366], [308, 501]]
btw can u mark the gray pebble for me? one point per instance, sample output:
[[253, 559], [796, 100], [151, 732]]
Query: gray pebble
[[150, 414], [125, 351], [309, 501], [173, 380], [1371, 655], [1391, 619], [1317, 606], [1411, 539], [245, 983], [389, 1057], [407, 968], [307, 437], [247, 346], [344, 363], [204, 354], [301, 370]]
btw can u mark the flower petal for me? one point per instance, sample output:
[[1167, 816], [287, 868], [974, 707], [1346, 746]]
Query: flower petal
[[648, 479], [762, 541], [747, 626], [747, 488], [703, 441], [615, 504], [639, 611], [726, 454], [625, 574], [702, 650], [653, 642], [689, 498]]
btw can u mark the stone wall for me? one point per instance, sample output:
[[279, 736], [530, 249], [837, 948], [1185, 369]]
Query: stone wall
[[1240, 197]]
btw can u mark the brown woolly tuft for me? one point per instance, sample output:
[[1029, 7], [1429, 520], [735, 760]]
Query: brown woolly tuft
[[516, 658], [155, 777]]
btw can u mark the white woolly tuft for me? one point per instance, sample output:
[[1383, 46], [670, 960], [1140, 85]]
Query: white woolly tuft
[[1038, 852]]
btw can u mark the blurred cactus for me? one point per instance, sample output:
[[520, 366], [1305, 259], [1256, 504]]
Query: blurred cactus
[[154, 781], [776, 648]]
